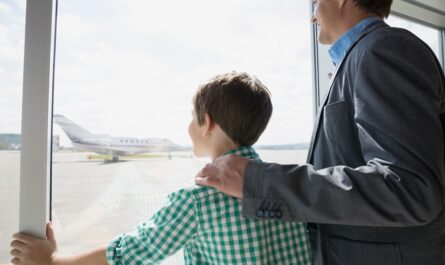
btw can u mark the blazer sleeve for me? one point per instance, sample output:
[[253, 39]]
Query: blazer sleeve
[[397, 100]]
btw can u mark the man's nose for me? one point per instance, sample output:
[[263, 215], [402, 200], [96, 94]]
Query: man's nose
[[314, 19]]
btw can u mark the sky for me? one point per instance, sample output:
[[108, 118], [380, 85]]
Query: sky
[[12, 23], [130, 68]]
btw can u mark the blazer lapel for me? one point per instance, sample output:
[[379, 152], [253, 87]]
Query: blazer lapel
[[369, 29]]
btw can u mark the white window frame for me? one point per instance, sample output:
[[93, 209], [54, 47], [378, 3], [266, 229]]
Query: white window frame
[[35, 162]]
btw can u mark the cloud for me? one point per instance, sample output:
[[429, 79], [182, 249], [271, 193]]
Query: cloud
[[5, 8], [10, 106], [11, 69], [20, 4], [158, 56], [72, 27], [130, 68]]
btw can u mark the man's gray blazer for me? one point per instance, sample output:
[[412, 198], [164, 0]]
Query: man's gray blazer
[[373, 189]]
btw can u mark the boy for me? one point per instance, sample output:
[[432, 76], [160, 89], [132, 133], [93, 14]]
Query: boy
[[230, 113]]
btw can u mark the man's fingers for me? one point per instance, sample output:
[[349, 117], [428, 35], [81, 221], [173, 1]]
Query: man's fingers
[[19, 245], [24, 238], [208, 170], [210, 181], [208, 176]]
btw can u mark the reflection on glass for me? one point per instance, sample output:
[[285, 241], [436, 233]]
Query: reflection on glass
[[12, 34], [428, 34], [127, 70]]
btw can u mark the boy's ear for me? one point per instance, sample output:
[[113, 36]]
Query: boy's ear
[[208, 124]]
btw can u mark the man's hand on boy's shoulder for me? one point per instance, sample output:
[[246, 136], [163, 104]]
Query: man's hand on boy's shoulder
[[29, 250], [226, 174]]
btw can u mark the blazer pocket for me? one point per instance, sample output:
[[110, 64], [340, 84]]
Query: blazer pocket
[[349, 252], [334, 115]]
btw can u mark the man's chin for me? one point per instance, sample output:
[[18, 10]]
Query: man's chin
[[324, 42], [322, 39]]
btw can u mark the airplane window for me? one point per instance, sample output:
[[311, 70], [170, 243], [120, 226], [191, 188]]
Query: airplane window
[[429, 35], [12, 35], [145, 60]]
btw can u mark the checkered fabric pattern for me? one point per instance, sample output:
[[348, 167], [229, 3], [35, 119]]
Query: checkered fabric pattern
[[210, 227]]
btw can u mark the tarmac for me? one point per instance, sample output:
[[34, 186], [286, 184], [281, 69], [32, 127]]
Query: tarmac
[[95, 200]]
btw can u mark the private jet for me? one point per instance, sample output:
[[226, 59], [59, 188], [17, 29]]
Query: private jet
[[114, 146]]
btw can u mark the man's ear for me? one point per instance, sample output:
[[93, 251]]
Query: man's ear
[[208, 124]]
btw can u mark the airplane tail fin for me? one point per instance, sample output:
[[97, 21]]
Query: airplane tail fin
[[72, 130]]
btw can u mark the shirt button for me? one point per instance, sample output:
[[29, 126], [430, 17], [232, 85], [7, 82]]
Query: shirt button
[[278, 213], [260, 213]]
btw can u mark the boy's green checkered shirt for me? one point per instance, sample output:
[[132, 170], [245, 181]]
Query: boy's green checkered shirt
[[210, 227]]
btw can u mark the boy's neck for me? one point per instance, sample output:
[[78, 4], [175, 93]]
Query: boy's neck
[[222, 147]]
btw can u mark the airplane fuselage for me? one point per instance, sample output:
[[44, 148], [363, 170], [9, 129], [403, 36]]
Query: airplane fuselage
[[115, 146], [124, 146]]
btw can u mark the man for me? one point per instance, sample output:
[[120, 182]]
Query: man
[[373, 188]]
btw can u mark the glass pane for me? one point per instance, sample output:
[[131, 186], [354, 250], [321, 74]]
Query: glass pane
[[12, 36], [129, 69], [325, 69], [428, 34]]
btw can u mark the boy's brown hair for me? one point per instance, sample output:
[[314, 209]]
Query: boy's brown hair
[[239, 103], [379, 7]]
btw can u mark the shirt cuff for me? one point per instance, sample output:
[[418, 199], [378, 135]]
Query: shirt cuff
[[114, 251]]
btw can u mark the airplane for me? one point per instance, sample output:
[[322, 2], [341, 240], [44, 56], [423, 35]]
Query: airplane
[[114, 146]]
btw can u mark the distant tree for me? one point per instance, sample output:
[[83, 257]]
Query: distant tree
[[4, 146]]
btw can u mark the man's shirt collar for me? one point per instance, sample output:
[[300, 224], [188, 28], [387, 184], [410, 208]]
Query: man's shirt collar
[[341, 46]]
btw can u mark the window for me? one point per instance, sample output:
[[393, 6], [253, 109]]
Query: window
[[12, 32], [430, 35], [118, 59], [144, 59]]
